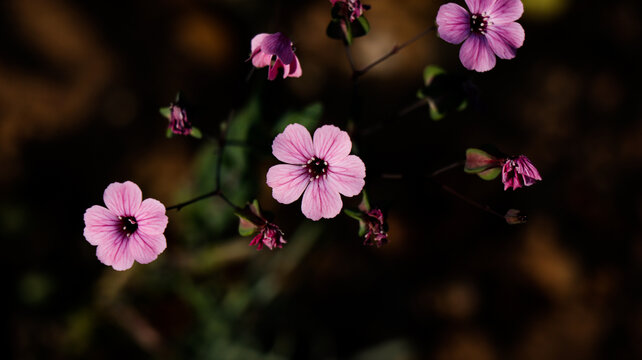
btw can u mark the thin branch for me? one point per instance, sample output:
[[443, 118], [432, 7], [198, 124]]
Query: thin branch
[[395, 49]]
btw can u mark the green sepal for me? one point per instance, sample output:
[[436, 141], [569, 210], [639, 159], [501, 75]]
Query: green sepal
[[246, 227], [490, 174], [169, 133], [365, 203], [435, 115], [478, 161], [363, 228], [430, 72], [165, 112], [195, 132], [353, 214], [365, 25]]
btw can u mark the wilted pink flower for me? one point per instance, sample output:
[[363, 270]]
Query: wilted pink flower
[[376, 234], [352, 9], [178, 122], [265, 46], [128, 229], [518, 172], [321, 167], [270, 235], [489, 29]]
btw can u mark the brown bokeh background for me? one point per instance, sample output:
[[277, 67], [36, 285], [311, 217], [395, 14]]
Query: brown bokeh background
[[80, 88]]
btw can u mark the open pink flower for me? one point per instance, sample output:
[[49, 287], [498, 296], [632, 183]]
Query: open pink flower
[[266, 46], [489, 29], [128, 229], [321, 167], [518, 172]]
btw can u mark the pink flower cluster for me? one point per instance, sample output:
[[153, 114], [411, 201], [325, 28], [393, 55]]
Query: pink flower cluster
[[128, 229], [488, 29], [321, 169]]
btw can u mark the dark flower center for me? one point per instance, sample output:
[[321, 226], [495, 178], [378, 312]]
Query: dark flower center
[[128, 224], [316, 167], [478, 23]]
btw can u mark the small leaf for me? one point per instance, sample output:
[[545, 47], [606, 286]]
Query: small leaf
[[195, 132], [478, 160], [435, 115], [165, 112], [363, 228], [169, 133]]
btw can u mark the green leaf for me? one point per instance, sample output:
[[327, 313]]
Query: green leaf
[[165, 112], [169, 133], [430, 72], [308, 117], [196, 133], [246, 227], [435, 115], [346, 28], [478, 161], [490, 174], [363, 228]]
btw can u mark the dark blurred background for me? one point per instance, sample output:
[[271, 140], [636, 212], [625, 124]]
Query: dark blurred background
[[80, 88]]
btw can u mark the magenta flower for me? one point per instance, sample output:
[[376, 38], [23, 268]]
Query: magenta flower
[[489, 29], [269, 235], [518, 172], [376, 233], [265, 47], [128, 229], [178, 122], [321, 167], [352, 9]]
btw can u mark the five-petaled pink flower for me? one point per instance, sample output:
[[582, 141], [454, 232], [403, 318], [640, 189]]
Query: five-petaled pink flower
[[489, 29], [518, 172], [321, 167], [128, 229], [266, 46], [352, 9]]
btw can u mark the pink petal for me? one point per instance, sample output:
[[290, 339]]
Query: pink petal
[[100, 225], [453, 23], [321, 200], [347, 175], [478, 6], [279, 45], [505, 11], [505, 39], [261, 59], [476, 54], [145, 248], [115, 253], [293, 145], [331, 143], [257, 41], [293, 70], [274, 69], [151, 217], [123, 198], [287, 182]]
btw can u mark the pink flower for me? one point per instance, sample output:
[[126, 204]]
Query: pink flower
[[352, 9], [376, 234], [265, 46], [518, 172], [178, 122], [321, 167], [128, 229], [489, 29]]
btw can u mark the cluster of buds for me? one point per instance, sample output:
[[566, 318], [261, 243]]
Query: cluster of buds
[[372, 226], [253, 223], [516, 171], [348, 20]]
